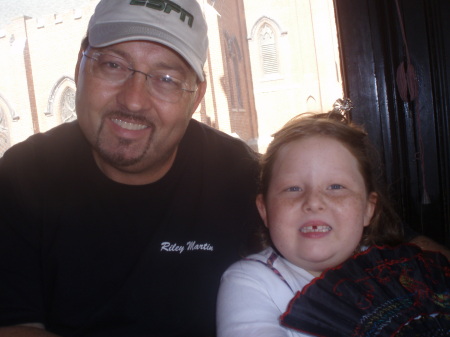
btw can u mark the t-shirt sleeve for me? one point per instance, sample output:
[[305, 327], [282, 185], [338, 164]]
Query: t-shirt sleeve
[[245, 307]]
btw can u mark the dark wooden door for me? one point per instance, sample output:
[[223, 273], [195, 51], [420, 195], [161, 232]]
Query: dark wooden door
[[412, 136]]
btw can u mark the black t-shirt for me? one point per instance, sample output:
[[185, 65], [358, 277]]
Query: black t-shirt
[[87, 256]]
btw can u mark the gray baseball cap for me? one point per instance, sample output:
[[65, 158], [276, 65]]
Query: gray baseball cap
[[179, 25]]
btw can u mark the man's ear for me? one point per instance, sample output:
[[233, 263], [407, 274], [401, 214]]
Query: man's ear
[[201, 89], [77, 67], [261, 205]]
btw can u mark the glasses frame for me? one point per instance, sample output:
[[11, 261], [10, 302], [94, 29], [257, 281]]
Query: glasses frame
[[150, 78]]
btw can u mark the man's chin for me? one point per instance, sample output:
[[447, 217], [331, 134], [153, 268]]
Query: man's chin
[[121, 160], [123, 163]]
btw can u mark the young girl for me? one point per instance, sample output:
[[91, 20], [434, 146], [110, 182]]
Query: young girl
[[321, 202]]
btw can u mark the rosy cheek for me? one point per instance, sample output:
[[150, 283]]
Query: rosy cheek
[[339, 201]]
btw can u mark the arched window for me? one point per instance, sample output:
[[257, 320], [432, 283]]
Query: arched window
[[62, 100], [269, 50], [234, 58], [7, 115], [4, 133], [67, 105]]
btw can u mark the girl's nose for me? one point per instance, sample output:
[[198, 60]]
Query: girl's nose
[[313, 202]]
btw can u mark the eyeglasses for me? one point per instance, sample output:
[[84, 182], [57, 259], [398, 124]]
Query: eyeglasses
[[117, 71]]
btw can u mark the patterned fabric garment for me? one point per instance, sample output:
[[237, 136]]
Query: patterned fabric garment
[[400, 291]]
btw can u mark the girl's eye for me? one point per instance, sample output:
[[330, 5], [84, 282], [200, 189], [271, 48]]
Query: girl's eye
[[336, 187], [294, 189]]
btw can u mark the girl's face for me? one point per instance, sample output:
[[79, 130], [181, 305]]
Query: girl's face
[[317, 205]]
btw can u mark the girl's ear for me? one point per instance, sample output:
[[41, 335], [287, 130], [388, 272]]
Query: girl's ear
[[261, 205], [371, 205]]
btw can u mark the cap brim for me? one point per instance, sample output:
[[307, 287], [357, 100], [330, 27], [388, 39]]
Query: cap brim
[[105, 34]]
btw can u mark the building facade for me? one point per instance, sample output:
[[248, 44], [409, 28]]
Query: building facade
[[268, 61]]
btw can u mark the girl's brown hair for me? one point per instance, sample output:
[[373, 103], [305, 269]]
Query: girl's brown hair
[[385, 226]]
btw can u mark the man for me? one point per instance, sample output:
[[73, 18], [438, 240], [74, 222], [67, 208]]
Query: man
[[121, 223]]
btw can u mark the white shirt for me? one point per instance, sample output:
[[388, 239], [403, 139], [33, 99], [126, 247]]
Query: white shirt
[[252, 297]]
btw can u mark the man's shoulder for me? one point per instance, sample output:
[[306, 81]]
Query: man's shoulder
[[215, 141], [57, 136], [44, 147]]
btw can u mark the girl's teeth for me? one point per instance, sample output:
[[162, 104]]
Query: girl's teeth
[[315, 229]]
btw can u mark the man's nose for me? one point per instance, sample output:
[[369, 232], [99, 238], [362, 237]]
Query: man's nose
[[134, 95]]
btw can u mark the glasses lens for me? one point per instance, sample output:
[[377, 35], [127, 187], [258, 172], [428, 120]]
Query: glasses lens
[[116, 71], [165, 86], [109, 67]]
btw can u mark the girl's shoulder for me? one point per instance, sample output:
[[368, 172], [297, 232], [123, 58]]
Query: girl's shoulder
[[269, 268]]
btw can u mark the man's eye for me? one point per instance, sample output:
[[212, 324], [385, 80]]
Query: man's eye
[[167, 82], [171, 81], [113, 65], [336, 187], [167, 79]]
